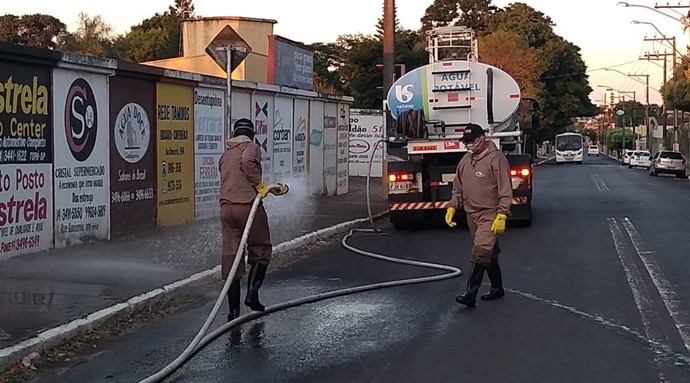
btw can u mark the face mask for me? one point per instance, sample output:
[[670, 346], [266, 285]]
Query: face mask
[[471, 147]]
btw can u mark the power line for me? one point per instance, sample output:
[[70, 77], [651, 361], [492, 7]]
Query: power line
[[588, 71]]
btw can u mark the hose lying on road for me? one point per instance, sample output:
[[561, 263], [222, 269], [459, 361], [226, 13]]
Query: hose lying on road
[[199, 343]]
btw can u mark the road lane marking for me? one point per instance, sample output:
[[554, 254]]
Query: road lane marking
[[599, 183], [641, 296], [661, 349], [604, 186], [596, 181], [663, 286]]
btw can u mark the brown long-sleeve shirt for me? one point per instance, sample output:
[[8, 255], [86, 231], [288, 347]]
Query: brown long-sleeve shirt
[[482, 182], [240, 171]]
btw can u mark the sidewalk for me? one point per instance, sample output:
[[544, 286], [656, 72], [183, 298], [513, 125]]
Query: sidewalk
[[44, 290]]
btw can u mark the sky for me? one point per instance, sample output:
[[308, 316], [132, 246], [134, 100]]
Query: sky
[[600, 28]]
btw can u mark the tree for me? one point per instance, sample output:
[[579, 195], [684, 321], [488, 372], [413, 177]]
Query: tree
[[36, 30], [327, 60], [379, 23], [157, 37], [676, 92], [93, 36], [440, 13], [535, 26], [565, 87], [510, 52], [470, 13], [634, 113]]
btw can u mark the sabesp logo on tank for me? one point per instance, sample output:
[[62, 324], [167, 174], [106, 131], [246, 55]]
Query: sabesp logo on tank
[[81, 119]]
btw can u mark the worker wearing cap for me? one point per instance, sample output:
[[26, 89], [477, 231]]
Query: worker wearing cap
[[482, 187], [241, 175]]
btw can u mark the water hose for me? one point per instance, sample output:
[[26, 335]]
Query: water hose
[[200, 341]]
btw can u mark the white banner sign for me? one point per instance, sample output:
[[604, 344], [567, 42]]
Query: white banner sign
[[282, 138], [82, 151], [365, 131], [209, 114]]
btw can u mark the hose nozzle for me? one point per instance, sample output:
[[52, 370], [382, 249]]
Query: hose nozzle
[[279, 189]]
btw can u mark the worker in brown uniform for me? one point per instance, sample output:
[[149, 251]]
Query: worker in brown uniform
[[241, 180], [483, 189]]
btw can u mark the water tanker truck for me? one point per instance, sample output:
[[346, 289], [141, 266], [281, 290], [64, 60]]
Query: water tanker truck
[[426, 112]]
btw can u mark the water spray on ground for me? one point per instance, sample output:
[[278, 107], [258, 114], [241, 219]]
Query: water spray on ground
[[293, 208]]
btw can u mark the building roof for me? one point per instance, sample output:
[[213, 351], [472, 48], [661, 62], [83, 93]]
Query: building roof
[[230, 18]]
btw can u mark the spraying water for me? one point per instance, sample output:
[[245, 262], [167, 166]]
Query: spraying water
[[290, 212]]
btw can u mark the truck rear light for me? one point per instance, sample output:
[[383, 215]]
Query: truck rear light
[[400, 177], [520, 172]]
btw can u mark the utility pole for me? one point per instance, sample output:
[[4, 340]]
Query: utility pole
[[648, 136], [664, 57], [388, 45], [632, 118]]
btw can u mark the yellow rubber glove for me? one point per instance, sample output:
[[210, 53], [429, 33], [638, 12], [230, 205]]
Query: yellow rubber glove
[[262, 189], [450, 213], [498, 226]]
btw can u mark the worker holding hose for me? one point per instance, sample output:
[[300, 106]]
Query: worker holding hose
[[482, 187], [241, 180]]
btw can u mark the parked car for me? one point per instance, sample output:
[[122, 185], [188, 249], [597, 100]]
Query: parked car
[[640, 158], [593, 150], [668, 162], [626, 156]]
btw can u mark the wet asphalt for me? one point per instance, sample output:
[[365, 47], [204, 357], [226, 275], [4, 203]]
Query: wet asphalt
[[599, 291], [47, 289]]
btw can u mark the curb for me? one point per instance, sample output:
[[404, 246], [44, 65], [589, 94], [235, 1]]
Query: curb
[[59, 334]]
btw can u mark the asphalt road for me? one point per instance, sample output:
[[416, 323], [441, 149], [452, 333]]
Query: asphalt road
[[599, 292]]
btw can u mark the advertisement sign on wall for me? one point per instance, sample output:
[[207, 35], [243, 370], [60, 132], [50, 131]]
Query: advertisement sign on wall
[[365, 131], [132, 155], [299, 151], [343, 152], [290, 64], [282, 138], [241, 108], [263, 126], [330, 148], [209, 114], [82, 174], [175, 118], [26, 147], [316, 173]]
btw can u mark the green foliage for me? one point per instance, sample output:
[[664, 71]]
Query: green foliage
[[614, 138], [470, 13], [36, 30], [634, 113], [676, 92]]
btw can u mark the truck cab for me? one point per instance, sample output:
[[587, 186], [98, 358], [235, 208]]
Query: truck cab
[[426, 111]]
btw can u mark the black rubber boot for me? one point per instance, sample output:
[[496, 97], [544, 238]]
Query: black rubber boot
[[496, 291], [473, 283], [234, 300], [256, 278]]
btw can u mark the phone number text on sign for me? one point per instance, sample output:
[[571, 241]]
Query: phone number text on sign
[[127, 196]]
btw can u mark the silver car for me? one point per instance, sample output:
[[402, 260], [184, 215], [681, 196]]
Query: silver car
[[668, 162]]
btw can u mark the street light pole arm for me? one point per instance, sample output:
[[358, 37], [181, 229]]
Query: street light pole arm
[[624, 4]]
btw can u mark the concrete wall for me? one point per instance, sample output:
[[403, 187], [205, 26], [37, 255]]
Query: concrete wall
[[93, 149]]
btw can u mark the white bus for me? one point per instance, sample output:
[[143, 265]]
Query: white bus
[[569, 148]]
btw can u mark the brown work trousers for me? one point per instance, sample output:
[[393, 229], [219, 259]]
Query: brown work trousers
[[485, 247], [233, 217]]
